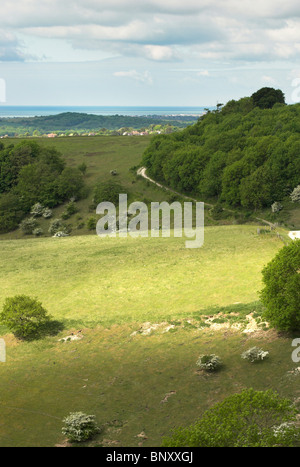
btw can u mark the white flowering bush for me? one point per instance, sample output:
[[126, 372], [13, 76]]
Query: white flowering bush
[[47, 213], [255, 354], [79, 426], [276, 207], [37, 210], [209, 362], [295, 195]]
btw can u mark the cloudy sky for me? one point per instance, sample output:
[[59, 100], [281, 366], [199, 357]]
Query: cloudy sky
[[147, 52]]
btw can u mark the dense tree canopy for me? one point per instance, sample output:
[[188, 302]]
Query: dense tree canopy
[[243, 155], [30, 173]]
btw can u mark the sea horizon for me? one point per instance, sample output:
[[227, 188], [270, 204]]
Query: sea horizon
[[23, 111]]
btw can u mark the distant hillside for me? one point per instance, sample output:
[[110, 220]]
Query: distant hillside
[[241, 155], [80, 121]]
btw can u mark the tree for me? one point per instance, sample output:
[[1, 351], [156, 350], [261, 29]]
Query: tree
[[281, 294], [23, 315], [11, 212], [70, 183], [266, 98], [249, 419], [108, 192]]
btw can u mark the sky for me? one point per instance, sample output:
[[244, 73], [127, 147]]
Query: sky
[[147, 52]]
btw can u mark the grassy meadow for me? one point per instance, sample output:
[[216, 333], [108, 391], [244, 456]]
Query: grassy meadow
[[142, 310], [141, 306]]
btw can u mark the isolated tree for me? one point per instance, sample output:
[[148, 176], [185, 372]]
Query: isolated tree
[[266, 98], [281, 294], [249, 419], [23, 315]]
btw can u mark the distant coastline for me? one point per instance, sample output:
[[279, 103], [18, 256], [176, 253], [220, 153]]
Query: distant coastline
[[145, 111]]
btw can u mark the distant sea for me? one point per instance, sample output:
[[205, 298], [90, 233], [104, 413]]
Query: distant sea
[[33, 111]]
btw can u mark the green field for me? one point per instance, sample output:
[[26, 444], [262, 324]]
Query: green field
[[101, 154], [124, 279], [144, 310], [108, 289]]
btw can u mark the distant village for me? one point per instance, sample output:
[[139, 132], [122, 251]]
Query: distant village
[[153, 130]]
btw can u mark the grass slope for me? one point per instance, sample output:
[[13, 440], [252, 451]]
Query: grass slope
[[133, 383], [124, 279]]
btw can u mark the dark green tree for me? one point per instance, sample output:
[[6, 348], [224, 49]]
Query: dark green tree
[[266, 98], [23, 315], [281, 292]]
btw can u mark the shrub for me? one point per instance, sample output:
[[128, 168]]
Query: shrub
[[209, 362], [276, 207], [28, 225], [79, 426], [37, 210], [249, 419], [91, 223], [254, 354], [23, 315], [71, 208], [57, 226], [281, 294], [107, 192], [47, 213], [295, 195]]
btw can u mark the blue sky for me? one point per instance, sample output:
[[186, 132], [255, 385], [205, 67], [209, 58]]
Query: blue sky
[[147, 52]]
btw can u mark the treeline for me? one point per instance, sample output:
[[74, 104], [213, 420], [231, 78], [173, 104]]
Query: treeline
[[31, 174], [84, 122], [244, 154]]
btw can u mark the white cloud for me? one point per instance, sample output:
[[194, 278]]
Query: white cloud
[[144, 77], [268, 80], [203, 73], [160, 53]]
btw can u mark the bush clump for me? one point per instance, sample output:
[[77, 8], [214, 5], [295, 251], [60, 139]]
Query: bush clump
[[28, 225], [37, 210], [23, 315], [209, 362], [255, 354], [295, 195], [80, 426]]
